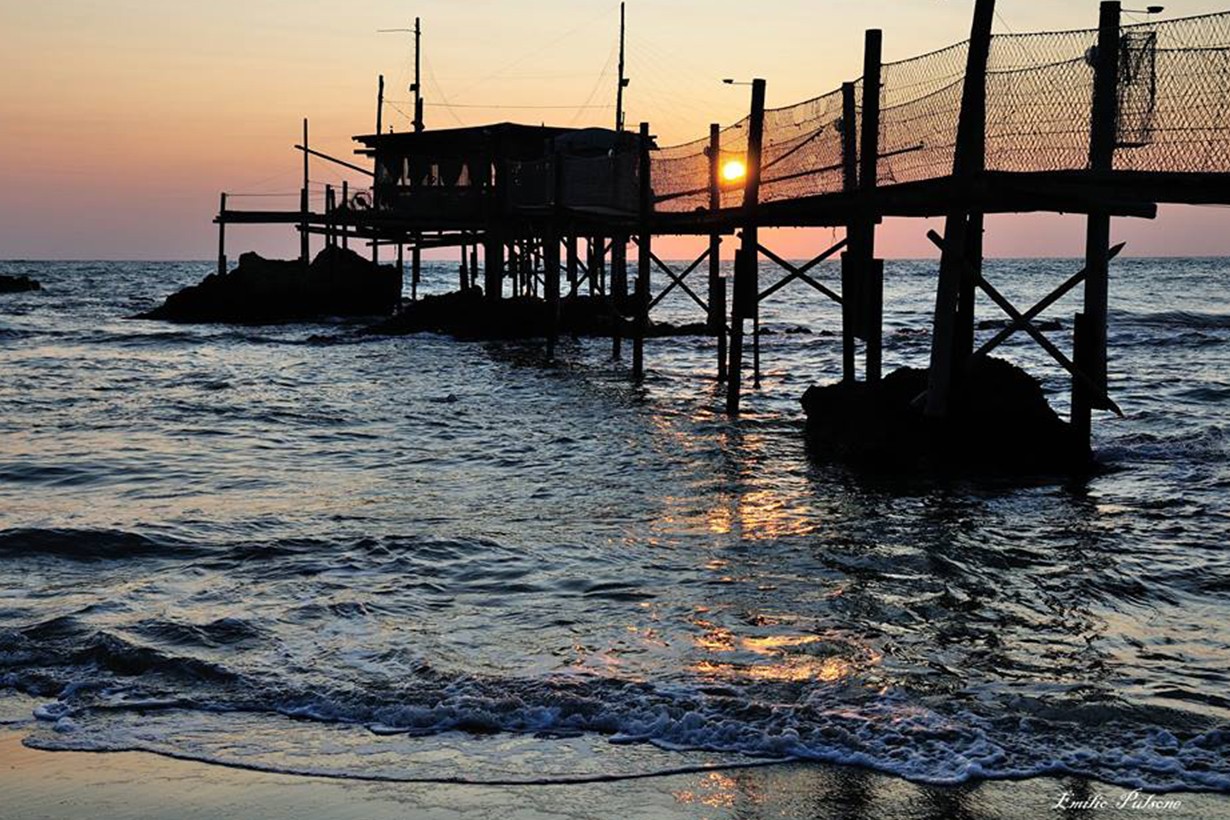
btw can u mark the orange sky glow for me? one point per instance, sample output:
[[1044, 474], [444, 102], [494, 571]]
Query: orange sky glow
[[121, 121]]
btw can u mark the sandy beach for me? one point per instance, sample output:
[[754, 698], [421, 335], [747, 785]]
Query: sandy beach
[[38, 784]]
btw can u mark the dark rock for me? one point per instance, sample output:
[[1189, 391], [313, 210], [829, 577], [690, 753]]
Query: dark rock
[[999, 422], [338, 282], [1000, 324], [18, 284], [467, 314]]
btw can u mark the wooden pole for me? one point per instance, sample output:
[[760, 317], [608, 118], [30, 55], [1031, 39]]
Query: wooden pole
[[591, 264], [304, 249], [379, 104], [963, 341], [619, 91], [573, 263], [401, 263], [849, 271], [1091, 327], [222, 235], [619, 290], [493, 266], [331, 207], [346, 205], [418, 82], [474, 264], [416, 268], [746, 291], [957, 275], [871, 286], [644, 257], [717, 284]]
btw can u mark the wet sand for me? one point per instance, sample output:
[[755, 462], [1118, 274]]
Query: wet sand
[[36, 784]]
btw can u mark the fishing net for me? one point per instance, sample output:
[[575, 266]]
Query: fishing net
[[1173, 115]]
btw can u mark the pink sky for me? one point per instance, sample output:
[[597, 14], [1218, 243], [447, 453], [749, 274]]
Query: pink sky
[[120, 122]]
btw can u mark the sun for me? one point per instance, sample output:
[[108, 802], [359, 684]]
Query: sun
[[733, 169]]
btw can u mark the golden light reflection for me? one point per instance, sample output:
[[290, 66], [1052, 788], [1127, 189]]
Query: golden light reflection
[[761, 514], [715, 790], [780, 658], [791, 669]]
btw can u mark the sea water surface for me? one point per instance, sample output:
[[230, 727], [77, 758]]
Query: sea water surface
[[305, 549]]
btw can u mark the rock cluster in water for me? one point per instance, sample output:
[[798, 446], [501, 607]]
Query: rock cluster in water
[[999, 422], [338, 282], [467, 314], [18, 284]]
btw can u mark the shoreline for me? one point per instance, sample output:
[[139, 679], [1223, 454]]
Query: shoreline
[[106, 785]]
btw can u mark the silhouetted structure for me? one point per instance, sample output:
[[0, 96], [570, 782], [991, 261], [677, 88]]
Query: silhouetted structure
[[1105, 122]]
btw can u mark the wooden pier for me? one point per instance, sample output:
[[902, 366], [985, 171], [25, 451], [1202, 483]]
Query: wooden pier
[[1106, 122]]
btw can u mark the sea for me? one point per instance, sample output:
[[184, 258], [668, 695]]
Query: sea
[[301, 548]]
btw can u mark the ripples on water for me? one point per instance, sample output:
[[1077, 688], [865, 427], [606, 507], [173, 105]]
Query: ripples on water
[[302, 549]]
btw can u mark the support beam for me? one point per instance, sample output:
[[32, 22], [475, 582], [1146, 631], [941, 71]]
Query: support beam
[[619, 291], [379, 105], [304, 248], [493, 266], [969, 160], [1037, 310], [1019, 319], [744, 302], [550, 262], [573, 263], [346, 206], [717, 284], [677, 281], [849, 272], [1092, 329], [416, 268], [644, 256], [222, 236], [800, 272]]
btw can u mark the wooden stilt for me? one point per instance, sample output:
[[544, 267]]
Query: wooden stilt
[[969, 160], [416, 267], [619, 291], [346, 206], [849, 270], [746, 292], [304, 248], [401, 266], [644, 259], [550, 265], [1092, 327], [222, 235], [474, 265], [964, 337], [572, 263], [493, 266], [871, 286], [717, 284]]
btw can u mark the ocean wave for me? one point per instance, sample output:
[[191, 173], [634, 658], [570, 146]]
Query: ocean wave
[[888, 731], [1174, 319], [86, 544]]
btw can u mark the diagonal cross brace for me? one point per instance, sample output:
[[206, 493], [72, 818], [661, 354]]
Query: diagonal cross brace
[[1025, 324], [677, 280], [800, 272], [1054, 296]]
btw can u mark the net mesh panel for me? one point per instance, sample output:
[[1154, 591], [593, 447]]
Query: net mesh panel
[[1174, 115], [1190, 123], [802, 150], [1039, 101], [920, 100]]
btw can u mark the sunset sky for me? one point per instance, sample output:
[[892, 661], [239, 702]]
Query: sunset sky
[[120, 121]]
